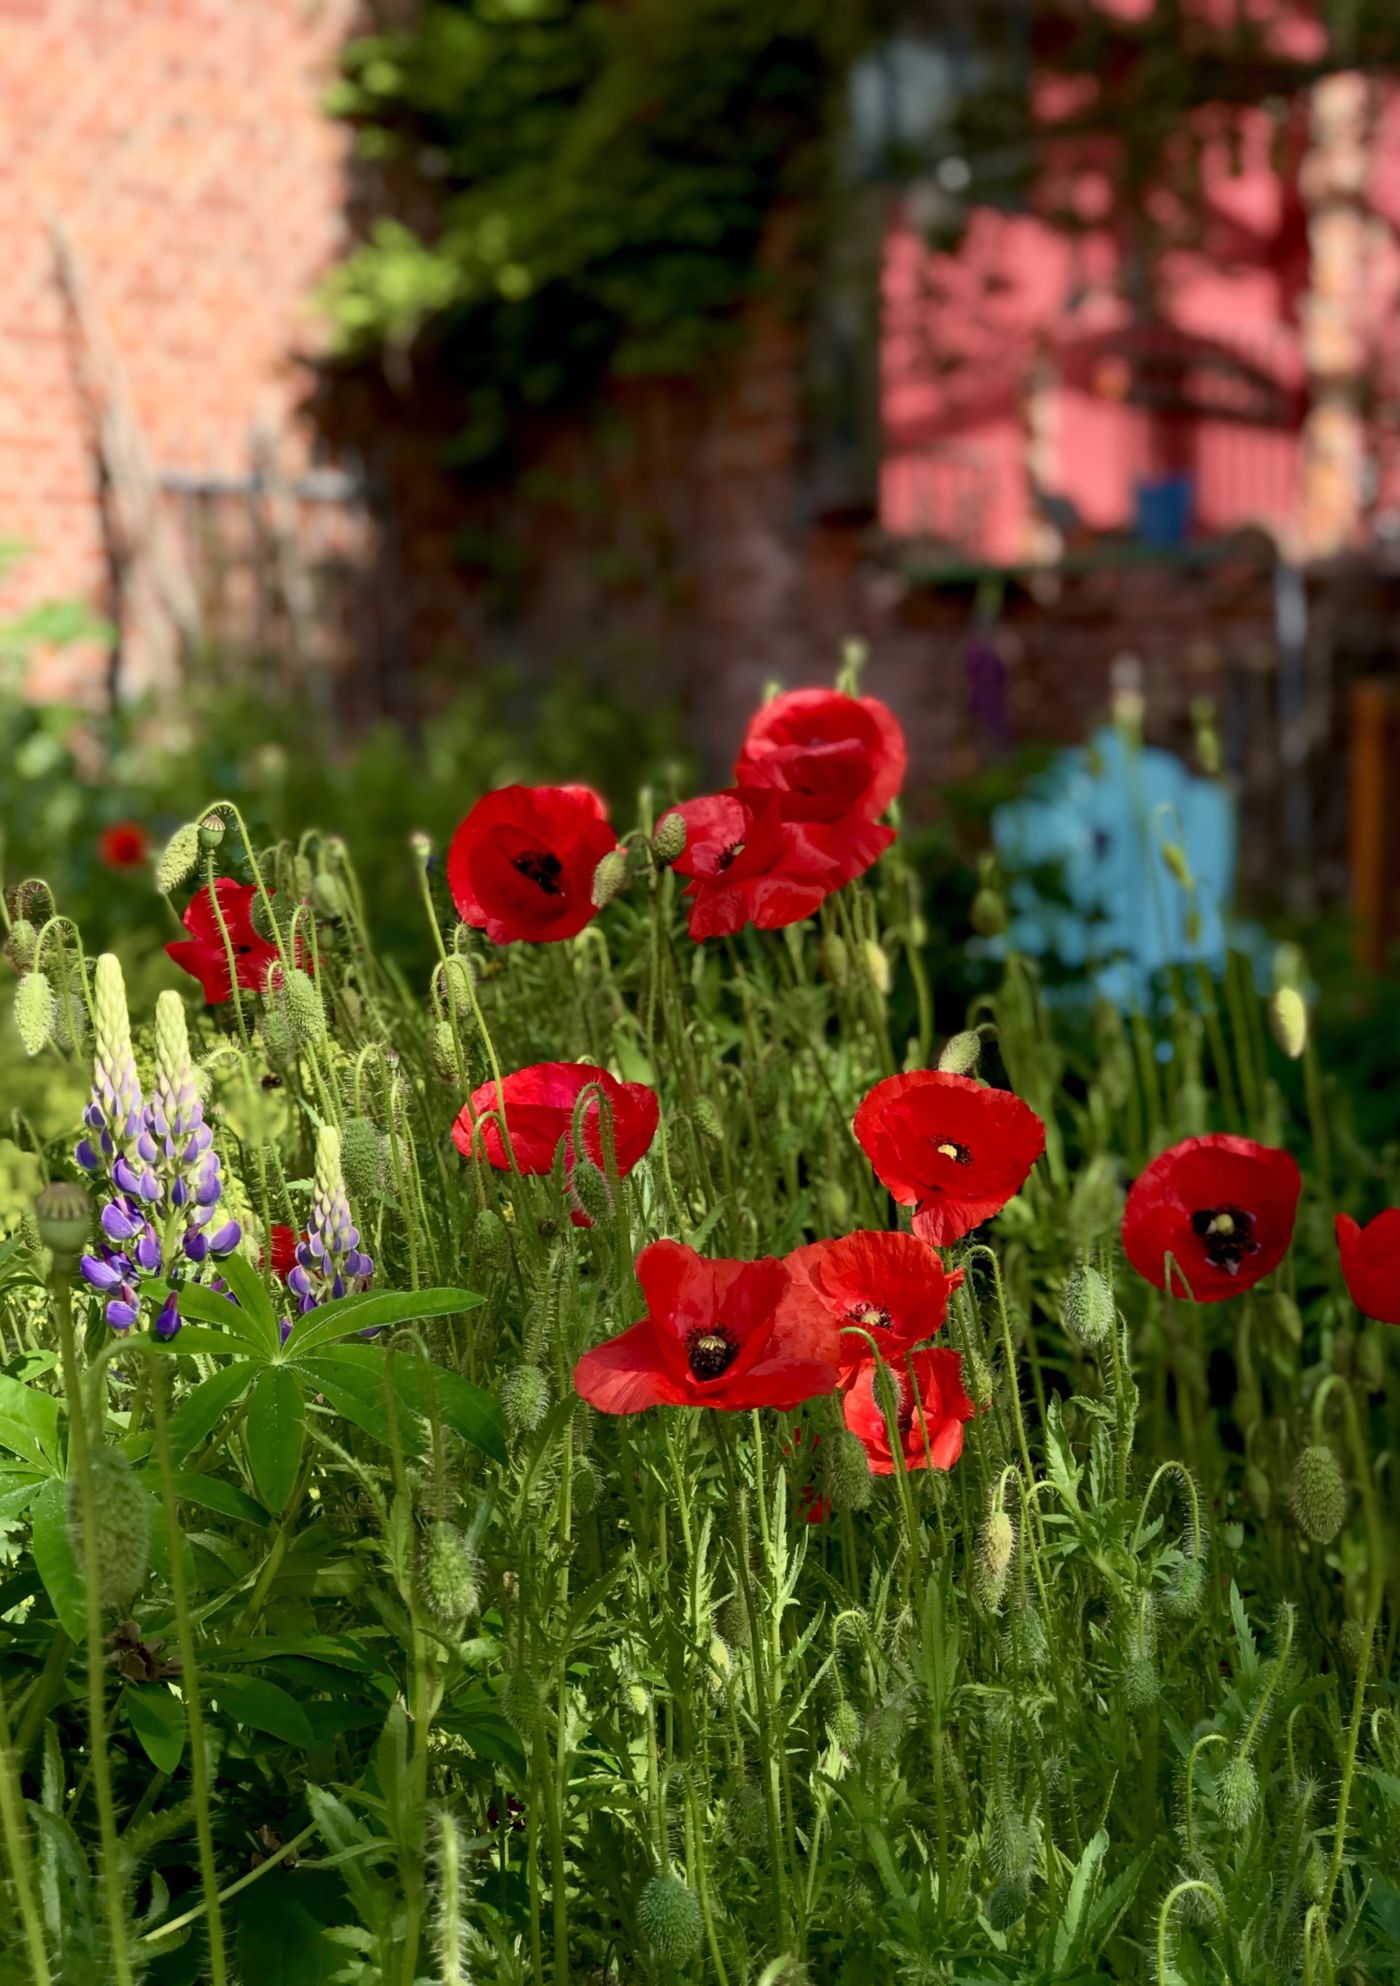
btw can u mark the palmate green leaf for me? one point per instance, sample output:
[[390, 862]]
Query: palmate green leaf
[[158, 1719], [275, 1432], [372, 1311], [237, 1327], [195, 1419]]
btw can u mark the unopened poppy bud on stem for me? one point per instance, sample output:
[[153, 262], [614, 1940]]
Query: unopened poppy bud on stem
[[668, 842], [1087, 1311], [1288, 1021], [306, 1017], [1237, 1794], [592, 1192], [34, 1012], [669, 1918], [988, 913], [961, 1053], [609, 877], [877, 966], [845, 1471], [490, 1242], [178, 858], [1318, 1495], [447, 1577], [525, 1398], [21, 943]]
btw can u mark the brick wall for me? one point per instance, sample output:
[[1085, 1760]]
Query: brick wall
[[181, 148]]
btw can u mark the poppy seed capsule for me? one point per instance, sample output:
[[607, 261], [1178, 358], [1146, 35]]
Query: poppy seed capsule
[[1087, 1309], [961, 1053], [525, 1398], [1288, 1021], [668, 842], [668, 1916], [1237, 1794], [63, 1221], [34, 1012], [178, 857], [988, 914], [447, 1579], [845, 1471], [21, 943], [121, 1528], [608, 878], [1317, 1494], [211, 832]]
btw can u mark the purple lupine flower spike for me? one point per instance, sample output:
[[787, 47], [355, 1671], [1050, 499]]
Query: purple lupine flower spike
[[330, 1262]]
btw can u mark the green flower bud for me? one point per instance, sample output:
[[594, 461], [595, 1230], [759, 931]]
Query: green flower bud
[[34, 1012], [719, 1665], [452, 990], [327, 897], [668, 1916], [362, 1159], [882, 1732], [21, 943], [877, 966], [1087, 1310], [63, 1219], [442, 1051], [1008, 1902], [961, 1053], [1288, 1021], [121, 1528], [1370, 1361], [1288, 1317], [592, 1192], [1026, 1639], [522, 1706], [1185, 1589], [1351, 1641], [668, 842], [525, 1398], [988, 914], [745, 1817], [1140, 1685], [707, 1120], [845, 1726], [277, 1040], [996, 1544], [1257, 1489], [178, 857], [1237, 1794], [490, 1243], [845, 1471], [833, 960], [211, 832], [301, 1003], [587, 1485], [609, 878], [1315, 1874], [1011, 1843], [1174, 855], [446, 1575], [1317, 1494], [977, 1377]]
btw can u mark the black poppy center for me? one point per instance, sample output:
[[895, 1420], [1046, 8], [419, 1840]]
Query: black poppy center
[[730, 854], [950, 1148], [541, 868], [870, 1316], [711, 1352], [1227, 1235]]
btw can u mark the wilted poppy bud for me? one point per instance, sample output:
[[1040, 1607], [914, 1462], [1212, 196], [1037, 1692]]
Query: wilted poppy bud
[[525, 1398], [1087, 1310], [490, 1242], [211, 832], [592, 1192], [668, 1916], [21, 943], [988, 914], [1318, 1495], [668, 843], [447, 1578], [845, 1471], [306, 1017], [609, 877], [63, 1218], [34, 1012], [961, 1053], [121, 1527], [1237, 1794], [833, 959], [877, 965], [178, 857], [1288, 1021]]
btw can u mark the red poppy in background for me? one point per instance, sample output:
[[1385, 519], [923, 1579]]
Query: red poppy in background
[[891, 1285], [844, 753], [282, 1247], [1221, 1207], [716, 1334], [937, 1402], [521, 864], [948, 1147], [539, 1110], [750, 862], [1371, 1263], [815, 1507], [204, 954], [123, 846]]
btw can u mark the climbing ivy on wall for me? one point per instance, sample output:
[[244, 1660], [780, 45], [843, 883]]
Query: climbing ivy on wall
[[573, 189]]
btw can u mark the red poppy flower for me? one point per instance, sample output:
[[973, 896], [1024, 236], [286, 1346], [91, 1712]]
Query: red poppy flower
[[750, 861], [1222, 1208], [1371, 1264], [539, 1110], [948, 1147], [125, 845], [891, 1285], [204, 954], [521, 864], [715, 1334], [937, 1402], [845, 753]]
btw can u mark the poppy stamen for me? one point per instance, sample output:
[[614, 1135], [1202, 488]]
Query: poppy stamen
[[541, 868], [711, 1353], [729, 854], [1227, 1234], [870, 1316], [958, 1153]]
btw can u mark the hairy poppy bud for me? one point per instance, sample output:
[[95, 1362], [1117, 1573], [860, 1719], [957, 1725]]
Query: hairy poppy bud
[[845, 1726], [877, 966], [638, 1699], [668, 843], [362, 1159], [447, 1578], [833, 959], [707, 1120], [996, 1544], [277, 1037], [988, 914], [211, 832], [1087, 1310], [592, 1192], [121, 1528], [521, 1703], [1140, 1685], [306, 1017], [328, 898], [525, 1398], [719, 1664], [1351, 1641], [452, 989], [977, 1377], [587, 1485], [609, 877], [1318, 1495], [1257, 1489], [490, 1242], [442, 1050], [845, 1471], [1288, 1021], [882, 1732], [1237, 1794], [63, 1219], [21, 943], [961, 1053], [1288, 1317], [1026, 1639], [1008, 1901], [178, 857], [1185, 1588], [34, 1012], [668, 1916], [745, 1816]]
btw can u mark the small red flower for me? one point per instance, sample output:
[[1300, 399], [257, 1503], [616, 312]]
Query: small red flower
[[204, 955], [948, 1147], [716, 1334], [937, 1402], [1222, 1208], [521, 864], [539, 1111], [750, 860], [1371, 1264], [845, 753], [124, 846], [890, 1285]]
